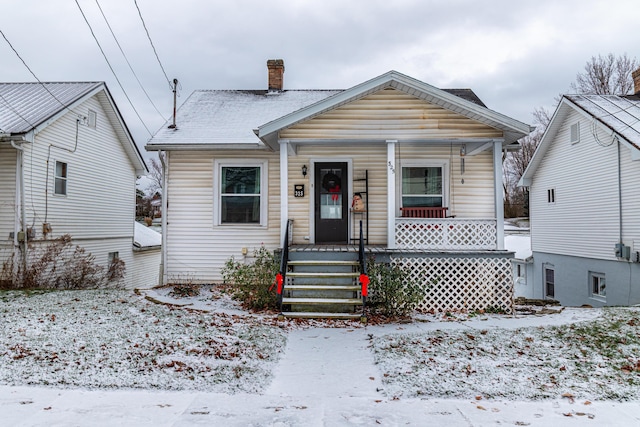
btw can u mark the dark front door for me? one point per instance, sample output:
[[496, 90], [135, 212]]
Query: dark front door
[[331, 210]]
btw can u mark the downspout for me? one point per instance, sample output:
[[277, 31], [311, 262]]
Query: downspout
[[20, 181], [165, 203], [619, 192]]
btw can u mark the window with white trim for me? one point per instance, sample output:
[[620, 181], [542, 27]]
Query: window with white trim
[[598, 285], [241, 193], [60, 180], [424, 185]]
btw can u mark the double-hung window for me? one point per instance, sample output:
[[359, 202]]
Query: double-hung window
[[423, 186], [241, 193], [60, 180]]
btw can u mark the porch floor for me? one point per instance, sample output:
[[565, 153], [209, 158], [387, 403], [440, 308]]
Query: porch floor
[[383, 249]]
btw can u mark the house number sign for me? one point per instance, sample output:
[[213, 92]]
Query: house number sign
[[298, 190]]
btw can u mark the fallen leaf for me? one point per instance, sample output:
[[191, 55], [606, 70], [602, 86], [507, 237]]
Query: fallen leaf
[[567, 414], [482, 408], [478, 397], [586, 402], [372, 378], [48, 408]]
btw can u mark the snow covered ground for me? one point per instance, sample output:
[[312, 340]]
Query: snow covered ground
[[116, 358]]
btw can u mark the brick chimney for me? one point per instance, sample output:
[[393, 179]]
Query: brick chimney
[[636, 81], [276, 74]]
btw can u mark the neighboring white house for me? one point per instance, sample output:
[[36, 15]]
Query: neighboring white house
[[585, 202], [427, 163], [520, 245], [68, 165], [147, 254]]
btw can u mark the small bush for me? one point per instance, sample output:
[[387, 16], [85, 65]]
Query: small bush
[[58, 265], [253, 281], [391, 291]]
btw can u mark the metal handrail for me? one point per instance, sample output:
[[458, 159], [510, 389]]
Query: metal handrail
[[281, 277], [364, 278]]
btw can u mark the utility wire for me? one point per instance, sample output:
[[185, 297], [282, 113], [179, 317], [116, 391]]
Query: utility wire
[[128, 63], [152, 45], [111, 68], [34, 76]]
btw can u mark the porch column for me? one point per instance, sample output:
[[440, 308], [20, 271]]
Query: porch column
[[499, 192], [284, 188], [391, 193]]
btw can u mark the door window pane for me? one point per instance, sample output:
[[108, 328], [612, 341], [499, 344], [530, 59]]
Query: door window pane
[[331, 194]]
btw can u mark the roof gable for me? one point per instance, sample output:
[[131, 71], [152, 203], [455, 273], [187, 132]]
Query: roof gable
[[30, 107], [618, 116], [389, 114], [513, 129]]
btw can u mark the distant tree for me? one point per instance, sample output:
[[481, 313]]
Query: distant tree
[[155, 176], [606, 75], [603, 75]]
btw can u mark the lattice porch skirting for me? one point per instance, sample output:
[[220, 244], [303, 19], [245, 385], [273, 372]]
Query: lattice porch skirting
[[460, 283]]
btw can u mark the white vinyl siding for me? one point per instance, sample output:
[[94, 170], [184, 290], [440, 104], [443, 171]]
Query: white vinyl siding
[[98, 210], [583, 221], [7, 192], [196, 248]]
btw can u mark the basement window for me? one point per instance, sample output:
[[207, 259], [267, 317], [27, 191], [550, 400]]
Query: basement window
[[598, 285], [549, 281]]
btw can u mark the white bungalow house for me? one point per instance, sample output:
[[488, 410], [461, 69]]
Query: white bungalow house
[[68, 165], [585, 203], [244, 166]]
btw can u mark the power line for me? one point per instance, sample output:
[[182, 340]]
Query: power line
[[152, 45], [112, 70], [34, 76], [128, 63]]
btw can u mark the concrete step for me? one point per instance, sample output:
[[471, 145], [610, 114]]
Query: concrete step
[[323, 275], [319, 287], [320, 315], [324, 263], [316, 301]]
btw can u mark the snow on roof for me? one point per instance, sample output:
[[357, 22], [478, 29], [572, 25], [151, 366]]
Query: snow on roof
[[144, 237], [521, 245], [619, 113], [24, 106], [230, 116]]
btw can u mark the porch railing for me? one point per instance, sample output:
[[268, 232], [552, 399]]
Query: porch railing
[[446, 234], [281, 277], [364, 277]]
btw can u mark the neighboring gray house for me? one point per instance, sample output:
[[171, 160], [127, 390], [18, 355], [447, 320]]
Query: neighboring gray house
[[585, 201], [244, 166], [68, 165]]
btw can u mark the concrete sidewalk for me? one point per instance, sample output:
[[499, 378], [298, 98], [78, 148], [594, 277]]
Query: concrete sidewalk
[[326, 377]]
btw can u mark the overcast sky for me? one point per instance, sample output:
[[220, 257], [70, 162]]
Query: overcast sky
[[516, 55]]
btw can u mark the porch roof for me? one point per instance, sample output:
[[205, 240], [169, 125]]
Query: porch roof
[[450, 100]]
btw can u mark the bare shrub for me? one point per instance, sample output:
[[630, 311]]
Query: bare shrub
[[59, 265]]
